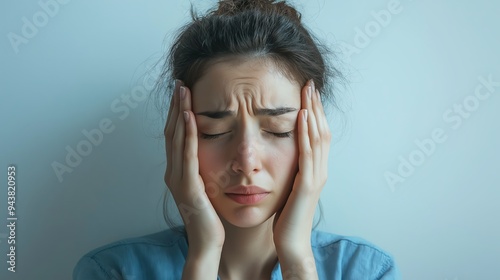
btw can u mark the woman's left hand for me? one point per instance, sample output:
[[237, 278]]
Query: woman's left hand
[[293, 223]]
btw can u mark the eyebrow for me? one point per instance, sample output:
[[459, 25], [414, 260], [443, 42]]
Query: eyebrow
[[263, 111]]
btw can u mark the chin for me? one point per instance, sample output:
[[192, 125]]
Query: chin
[[238, 215], [245, 216]]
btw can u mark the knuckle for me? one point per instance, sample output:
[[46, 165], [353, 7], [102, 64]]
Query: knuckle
[[190, 154], [327, 136], [316, 139], [308, 154]]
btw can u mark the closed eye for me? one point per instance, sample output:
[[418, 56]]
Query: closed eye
[[278, 135], [211, 136], [283, 135]]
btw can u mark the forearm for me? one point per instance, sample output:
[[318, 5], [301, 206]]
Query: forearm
[[202, 266]]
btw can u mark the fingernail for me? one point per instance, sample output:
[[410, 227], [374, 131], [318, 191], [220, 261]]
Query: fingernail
[[186, 116], [183, 93], [312, 85], [305, 114], [309, 90]]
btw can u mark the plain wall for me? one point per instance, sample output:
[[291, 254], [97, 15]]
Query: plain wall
[[409, 75]]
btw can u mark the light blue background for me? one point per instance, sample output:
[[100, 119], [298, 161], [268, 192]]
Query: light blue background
[[440, 223]]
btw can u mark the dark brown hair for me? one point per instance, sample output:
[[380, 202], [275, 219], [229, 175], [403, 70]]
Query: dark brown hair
[[264, 29], [253, 29]]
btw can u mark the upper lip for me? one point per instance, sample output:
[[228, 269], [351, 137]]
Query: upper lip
[[241, 189]]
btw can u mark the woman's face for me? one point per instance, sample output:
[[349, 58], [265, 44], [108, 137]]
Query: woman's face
[[252, 146]]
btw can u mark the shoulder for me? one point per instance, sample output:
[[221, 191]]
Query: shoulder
[[132, 257], [348, 257]]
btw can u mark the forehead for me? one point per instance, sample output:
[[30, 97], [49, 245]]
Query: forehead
[[230, 81]]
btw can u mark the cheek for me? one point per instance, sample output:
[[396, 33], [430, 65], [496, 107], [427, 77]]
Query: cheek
[[284, 160], [212, 164], [206, 158]]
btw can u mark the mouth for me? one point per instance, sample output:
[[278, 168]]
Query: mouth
[[246, 194], [247, 198]]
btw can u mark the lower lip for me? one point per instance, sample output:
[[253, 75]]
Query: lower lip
[[247, 198]]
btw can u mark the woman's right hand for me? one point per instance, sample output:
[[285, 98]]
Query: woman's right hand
[[203, 226]]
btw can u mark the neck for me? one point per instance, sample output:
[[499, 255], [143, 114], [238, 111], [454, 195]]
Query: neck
[[248, 253]]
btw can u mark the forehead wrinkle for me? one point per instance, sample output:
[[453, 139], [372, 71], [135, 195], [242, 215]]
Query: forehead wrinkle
[[227, 82], [243, 91]]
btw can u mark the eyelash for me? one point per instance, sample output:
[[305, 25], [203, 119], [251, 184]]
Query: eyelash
[[278, 135]]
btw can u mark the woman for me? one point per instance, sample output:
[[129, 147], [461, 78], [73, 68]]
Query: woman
[[247, 146]]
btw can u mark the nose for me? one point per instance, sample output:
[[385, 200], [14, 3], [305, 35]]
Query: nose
[[247, 159]]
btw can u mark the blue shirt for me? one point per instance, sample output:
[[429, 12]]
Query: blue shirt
[[162, 256]]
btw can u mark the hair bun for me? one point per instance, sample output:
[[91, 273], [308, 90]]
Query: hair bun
[[232, 7]]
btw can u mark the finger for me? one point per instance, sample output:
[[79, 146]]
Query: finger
[[179, 135], [325, 136], [191, 166], [312, 123], [170, 128], [171, 103], [319, 114], [305, 151], [321, 146], [312, 128]]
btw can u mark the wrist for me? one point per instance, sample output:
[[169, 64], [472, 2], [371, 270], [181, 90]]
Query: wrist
[[298, 246], [294, 255], [298, 265], [202, 264], [197, 254]]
